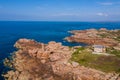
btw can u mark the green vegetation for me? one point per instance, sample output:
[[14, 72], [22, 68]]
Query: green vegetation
[[113, 51], [117, 38], [104, 63], [115, 35], [111, 34], [82, 56], [103, 35]]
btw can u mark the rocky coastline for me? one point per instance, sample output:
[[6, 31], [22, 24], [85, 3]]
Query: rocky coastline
[[39, 61], [108, 38]]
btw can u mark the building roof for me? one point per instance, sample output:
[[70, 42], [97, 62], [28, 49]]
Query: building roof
[[98, 46]]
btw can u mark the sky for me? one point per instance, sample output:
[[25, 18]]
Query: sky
[[59, 10]]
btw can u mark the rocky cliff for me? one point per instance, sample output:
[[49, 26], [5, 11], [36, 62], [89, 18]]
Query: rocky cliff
[[38, 61]]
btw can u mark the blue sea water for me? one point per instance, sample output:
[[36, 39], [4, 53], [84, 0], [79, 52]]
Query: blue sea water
[[11, 31]]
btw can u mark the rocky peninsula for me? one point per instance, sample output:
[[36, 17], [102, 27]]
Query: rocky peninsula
[[39, 61], [108, 38]]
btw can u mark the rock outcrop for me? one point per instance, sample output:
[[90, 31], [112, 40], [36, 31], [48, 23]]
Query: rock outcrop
[[92, 36], [38, 61]]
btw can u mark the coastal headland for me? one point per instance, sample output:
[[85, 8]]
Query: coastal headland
[[52, 61], [108, 38]]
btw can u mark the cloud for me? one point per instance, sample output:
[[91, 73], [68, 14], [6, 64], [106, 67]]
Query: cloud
[[66, 14], [102, 14], [70, 9], [39, 7], [106, 3], [43, 6]]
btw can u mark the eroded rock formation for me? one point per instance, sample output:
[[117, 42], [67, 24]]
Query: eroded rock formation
[[38, 61]]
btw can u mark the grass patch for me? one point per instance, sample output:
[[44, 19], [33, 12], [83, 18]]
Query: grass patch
[[103, 35], [117, 38], [100, 62], [113, 51], [110, 34]]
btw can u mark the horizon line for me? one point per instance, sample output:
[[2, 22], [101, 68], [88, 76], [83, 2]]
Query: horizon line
[[50, 21]]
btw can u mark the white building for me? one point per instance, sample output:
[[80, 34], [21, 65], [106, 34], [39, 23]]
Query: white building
[[99, 48]]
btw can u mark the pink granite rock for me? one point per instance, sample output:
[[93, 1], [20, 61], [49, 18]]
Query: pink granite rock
[[38, 61]]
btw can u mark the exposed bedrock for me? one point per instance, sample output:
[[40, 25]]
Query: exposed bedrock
[[38, 61]]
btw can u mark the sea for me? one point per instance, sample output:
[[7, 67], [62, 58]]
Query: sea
[[42, 31]]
